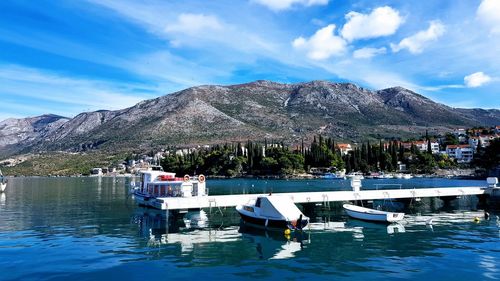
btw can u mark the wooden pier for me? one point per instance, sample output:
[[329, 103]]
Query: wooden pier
[[218, 201]]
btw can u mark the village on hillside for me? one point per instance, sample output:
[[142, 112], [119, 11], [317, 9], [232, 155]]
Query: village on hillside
[[457, 151]]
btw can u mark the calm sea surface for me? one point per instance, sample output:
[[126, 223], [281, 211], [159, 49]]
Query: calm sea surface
[[90, 229]]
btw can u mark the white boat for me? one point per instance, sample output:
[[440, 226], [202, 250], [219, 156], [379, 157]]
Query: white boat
[[407, 176], [368, 214], [155, 185], [3, 182], [332, 176], [388, 176], [355, 174], [273, 211]]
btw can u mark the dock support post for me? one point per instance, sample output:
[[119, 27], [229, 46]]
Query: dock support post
[[166, 226]]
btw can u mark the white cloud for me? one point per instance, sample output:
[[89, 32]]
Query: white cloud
[[382, 21], [279, 5], [366, 53], [322, 45], [476, 79], [488, 13], [193, 24], [417, 42]]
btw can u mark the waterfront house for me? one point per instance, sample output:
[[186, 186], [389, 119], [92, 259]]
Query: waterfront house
[[462, 153], [344, 148], [422, 146]]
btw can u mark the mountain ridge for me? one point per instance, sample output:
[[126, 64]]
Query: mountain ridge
[[254, 110]]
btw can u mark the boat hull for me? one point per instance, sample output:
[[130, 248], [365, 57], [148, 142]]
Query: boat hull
[[3, 186], [372, 215], [142, 199], [270, 223]]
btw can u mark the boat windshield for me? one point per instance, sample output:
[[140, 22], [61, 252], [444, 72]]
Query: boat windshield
[[257, 203]]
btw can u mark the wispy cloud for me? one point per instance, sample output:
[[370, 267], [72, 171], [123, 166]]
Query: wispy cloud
[[366, 53], [63, 95], [279, 5]]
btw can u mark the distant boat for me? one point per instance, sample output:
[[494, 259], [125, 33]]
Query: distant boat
[[273, 211], [3, 182], [368, 214], [407, 176], [332, 176], [355, 174]]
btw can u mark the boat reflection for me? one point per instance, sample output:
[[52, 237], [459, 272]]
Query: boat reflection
[[392, 228], [275, 244], [194, 231], [2, 199]]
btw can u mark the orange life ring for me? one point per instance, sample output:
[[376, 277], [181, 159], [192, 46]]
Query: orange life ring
[[187, 177], [201, 178]]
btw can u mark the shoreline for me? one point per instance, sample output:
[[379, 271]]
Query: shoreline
[[263, 177]]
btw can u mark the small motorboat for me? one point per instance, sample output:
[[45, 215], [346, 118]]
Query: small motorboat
[[368, 214], [273, 211], [407, 176], [332, 176]]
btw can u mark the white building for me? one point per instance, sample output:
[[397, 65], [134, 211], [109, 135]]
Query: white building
[[459, 132], [463, 153], [422, 146], [485, 140], [344, 148]]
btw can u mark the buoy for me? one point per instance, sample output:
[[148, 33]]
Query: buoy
[[287, 231], [477, 219], [201, 178]]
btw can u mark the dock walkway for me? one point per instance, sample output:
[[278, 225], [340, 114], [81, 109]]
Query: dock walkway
[[217, 201]]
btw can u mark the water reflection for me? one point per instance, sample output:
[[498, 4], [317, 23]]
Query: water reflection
[[274, 244]]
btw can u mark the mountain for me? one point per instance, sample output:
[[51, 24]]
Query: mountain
[[257, 110], [21, 132]]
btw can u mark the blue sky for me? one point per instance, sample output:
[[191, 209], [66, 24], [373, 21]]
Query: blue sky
[[66, 57]]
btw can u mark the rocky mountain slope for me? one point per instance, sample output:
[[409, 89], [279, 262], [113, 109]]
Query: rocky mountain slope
[[257, 110], [21, 132]]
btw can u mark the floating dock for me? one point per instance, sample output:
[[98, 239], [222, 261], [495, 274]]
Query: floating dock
[[218, 201]]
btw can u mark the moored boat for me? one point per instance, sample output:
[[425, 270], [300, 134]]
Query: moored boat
[[355, 175], [273, 211], [155, 185], [368, 214], [332, 176], [407, 176]]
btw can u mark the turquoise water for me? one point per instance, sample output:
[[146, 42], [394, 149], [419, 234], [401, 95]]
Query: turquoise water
[[90, 229]]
